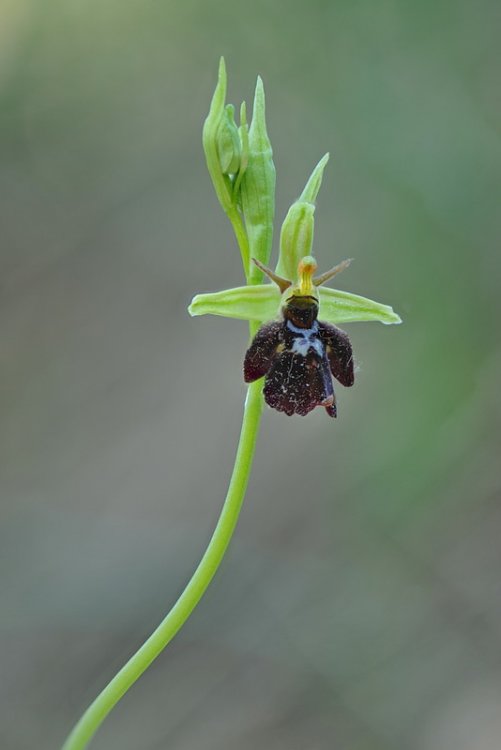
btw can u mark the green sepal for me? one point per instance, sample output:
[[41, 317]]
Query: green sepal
[[262, 302], [257, 188], [296, 236], [259, 302], [343, 307]]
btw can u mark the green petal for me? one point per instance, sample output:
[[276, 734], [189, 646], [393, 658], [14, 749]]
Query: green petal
[[260, 302], [343, 307]]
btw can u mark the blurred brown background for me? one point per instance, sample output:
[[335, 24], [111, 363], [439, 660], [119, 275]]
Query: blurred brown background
[[359, 607]]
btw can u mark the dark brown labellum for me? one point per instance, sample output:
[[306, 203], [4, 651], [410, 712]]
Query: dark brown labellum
[[298, 357]]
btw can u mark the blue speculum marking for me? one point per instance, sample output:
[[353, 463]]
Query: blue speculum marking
[[306, 339]]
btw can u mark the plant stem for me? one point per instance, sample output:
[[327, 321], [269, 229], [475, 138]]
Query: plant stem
[[242, 239], [94, 716]]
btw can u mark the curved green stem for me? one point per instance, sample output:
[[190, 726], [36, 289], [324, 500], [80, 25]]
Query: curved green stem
[[94, 716]]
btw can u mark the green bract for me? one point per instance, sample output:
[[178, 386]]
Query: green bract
[[240, 164]]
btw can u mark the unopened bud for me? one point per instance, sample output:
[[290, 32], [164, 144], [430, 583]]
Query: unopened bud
[[296, 236], [257, 188], [228, 142]]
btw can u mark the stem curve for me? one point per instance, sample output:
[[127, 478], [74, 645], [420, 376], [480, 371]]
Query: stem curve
[[99, 709]]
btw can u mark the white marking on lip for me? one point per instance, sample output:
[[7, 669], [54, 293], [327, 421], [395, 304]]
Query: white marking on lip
[[305, 339]]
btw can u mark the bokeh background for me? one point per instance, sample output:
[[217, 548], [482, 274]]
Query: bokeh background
[[359, 606]]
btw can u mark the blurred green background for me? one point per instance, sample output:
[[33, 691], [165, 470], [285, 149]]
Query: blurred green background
[[359, 607]]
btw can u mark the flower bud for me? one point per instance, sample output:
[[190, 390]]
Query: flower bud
[[228, 142], [257, 188], [221, 182], [296, 236]]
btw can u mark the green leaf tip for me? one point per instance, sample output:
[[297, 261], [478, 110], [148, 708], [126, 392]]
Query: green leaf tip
[[219, 96], [314, 183], [259, 99], [222, 78], [258, 133]]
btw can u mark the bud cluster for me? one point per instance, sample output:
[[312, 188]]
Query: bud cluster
[[240, 163]]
